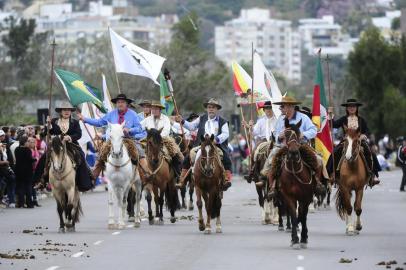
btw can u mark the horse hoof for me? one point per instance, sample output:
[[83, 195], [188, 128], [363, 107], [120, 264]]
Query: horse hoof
[[207, 231], [295, 246], [358, 227], [111, 226], [61, 230], [280, 228], [190, 207], [151, 222], [137, 224], [219, 230], [142, 212], [70, 229], [201, 227], [131, 219], [303, 245], [121, 226], [268, 221], [173, 219]]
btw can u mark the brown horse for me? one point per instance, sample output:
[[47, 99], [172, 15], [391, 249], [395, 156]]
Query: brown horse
[[163, 178], [353, 177], [297, 185], [208, 175], [185, 146]]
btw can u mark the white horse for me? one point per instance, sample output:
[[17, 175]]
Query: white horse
[[121, 173], [62, 177]]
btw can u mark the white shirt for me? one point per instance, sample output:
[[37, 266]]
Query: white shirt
[[265, 127], [177, 130], [211, 127], [162, 122]]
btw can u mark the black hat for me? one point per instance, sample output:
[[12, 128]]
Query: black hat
[[267, 105], [65, 105], [351, 102], [122, 97]]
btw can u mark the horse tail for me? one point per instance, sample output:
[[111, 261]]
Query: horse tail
[[78, 208], [215, 204], [340, 203], [171, 195]]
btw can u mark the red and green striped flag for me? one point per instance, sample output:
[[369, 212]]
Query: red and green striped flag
[[323, 143]]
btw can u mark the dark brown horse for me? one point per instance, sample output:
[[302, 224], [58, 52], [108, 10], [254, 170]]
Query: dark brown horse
[[353, 177], [162, 179], [185, 146], [208, 175], [297, 184]]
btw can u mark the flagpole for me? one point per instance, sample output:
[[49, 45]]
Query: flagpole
[[87, 130], [115, 68], [251, 105], [243, 120], [330, 112], [167, 76], [51, 83]]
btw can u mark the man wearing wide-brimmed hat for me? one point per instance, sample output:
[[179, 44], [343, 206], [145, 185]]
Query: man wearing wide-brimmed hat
[[352, 120], [263, 133], [133, 128], [159, 121], [307, 129], [146, 109], [212, 124]]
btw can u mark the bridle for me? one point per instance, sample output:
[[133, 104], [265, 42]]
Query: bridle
[[160, 159], [59, 171], [356, 150], [209, 160], [118, 156], [293, 139]]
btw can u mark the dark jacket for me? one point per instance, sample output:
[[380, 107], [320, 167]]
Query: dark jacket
[[343, 121], [201, 131], [74, 131], [23, 167]]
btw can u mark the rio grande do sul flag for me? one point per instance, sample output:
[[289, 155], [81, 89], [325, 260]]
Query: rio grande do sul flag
[[324, 145], [241, 80]]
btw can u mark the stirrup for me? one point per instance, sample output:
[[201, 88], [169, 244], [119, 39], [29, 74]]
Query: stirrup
[[226, 185]]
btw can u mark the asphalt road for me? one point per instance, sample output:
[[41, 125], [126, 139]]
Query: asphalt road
[[244, 243]]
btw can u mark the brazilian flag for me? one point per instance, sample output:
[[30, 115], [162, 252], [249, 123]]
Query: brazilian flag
[[79, 91]]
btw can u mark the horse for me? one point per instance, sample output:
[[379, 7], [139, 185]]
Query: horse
[[121, 174], [62, 177], [297, 184], [208, 175], [269, 213], [185, 146], [162, 178], [353, 177]]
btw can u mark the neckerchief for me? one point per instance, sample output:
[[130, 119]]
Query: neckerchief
[[121, 116]]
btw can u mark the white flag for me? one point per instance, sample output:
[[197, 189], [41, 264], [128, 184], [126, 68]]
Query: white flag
[[265, 83], [134, 60], [85, 132]]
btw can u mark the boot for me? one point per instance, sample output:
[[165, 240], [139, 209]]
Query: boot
[[98, 167], [250, 176], [182, 178], [373, 181], [227, 180]]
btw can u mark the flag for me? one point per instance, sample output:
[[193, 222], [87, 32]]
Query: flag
[[89, 133], [265, 85], [131, 59], [106, 99], [77, 90], [324, 145], [165, 95], [241, 80]]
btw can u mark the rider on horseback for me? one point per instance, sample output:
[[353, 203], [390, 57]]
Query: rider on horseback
[[353, 121], [133, 129], [263, 131], [159, 121], [146, 109], [211, 124], [307, 129]]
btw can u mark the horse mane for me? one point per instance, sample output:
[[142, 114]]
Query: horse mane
[[155, 135], [293, 127], [353, 133], [56, 144]]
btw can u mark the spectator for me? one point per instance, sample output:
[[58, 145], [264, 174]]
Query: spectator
[[401, 156], [24, 173], [236, 155], [35, 155], [13, 134], [7, 177]]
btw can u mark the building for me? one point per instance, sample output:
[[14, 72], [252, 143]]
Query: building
[[275, 40], [324, 33], [384, 24]]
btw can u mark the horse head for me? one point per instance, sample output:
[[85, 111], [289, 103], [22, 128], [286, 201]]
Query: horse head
[[352, 143], [116, 138], [292, 135], [58, 152], [208, 150], [154, 144]]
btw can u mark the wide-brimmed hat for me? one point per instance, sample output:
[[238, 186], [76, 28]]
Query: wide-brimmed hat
[[65, 106], [122, 97], [145, 102], [212, 101], [352, 102], [158, 104], [288, 100], [267, 105]]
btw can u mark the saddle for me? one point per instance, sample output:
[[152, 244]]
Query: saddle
[[106, 148], [171, 149], [263, 150], [306, 152], [194, 150]]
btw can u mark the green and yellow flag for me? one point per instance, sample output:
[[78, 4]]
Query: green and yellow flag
[[165, 96], [79, 91]]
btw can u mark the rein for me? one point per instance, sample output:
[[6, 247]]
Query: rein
[[213, 158], [62, 167], [161, 161], [117, 156]]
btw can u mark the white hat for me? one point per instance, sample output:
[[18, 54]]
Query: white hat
[[2, 133]]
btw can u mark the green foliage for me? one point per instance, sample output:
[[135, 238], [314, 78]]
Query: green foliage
[[394, 122], [395, 24]]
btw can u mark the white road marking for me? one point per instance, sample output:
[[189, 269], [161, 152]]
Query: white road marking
[[144, 219], [115, 233], [78, 254], [98, 242], [300, 257], [394, 190], [130, 226], [300, 268], [53, 267]]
